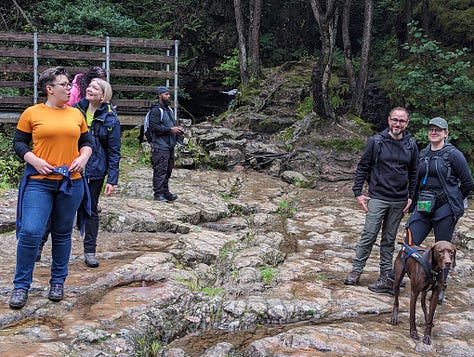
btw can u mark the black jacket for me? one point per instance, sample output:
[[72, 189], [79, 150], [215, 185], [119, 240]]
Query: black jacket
[[161, 121], [453, 172], [389, 167]]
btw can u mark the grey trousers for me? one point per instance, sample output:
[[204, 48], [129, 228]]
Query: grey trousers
[[385, 214]]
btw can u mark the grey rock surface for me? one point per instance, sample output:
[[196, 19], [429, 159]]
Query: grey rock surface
[[242, 264]]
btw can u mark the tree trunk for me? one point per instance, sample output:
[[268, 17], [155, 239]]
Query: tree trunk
[[346, 40], [425, 16], [321, 75], [254, 37], [358, 95], [239, 21]]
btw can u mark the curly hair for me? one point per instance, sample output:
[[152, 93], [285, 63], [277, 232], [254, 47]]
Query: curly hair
[[84, 80]]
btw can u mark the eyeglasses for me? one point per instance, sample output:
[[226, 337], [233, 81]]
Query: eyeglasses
[[401, 121], [64, 85], [435, 130]]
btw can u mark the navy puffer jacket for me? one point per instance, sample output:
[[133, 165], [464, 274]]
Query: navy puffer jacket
[[106, 143]]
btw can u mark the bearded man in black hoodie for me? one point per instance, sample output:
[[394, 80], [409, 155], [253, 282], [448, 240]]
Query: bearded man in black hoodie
[[164, 132], [388, 164]]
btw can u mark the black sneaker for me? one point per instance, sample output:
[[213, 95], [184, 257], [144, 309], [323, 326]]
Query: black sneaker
[[18, 298], [56, 292]]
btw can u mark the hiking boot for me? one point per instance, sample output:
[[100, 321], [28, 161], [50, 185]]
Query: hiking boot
[[382, 285], [91, 260], [161, 198], [171, 196], [18, 298], [403, 283], [56, 292], [353, 278]]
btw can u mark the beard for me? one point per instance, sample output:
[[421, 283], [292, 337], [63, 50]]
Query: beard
[[167, 102]]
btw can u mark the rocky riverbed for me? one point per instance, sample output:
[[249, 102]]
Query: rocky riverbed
[[242, 264]]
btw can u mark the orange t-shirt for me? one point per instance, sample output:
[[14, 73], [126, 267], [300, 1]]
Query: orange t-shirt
[[55, 134]]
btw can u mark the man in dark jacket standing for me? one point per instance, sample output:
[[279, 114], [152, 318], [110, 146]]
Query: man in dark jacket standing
[[388, 164], [164, 131]]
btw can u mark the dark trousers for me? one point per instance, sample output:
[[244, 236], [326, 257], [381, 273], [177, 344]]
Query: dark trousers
[[442, 222], [163, 164], [92, 224]]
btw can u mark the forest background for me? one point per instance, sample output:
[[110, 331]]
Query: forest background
[[418, 52]]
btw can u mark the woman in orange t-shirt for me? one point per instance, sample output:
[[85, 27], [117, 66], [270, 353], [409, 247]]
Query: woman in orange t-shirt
[[52, 185]]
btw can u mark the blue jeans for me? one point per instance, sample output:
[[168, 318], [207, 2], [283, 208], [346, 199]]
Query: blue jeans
[[381, 214], [41, 199]]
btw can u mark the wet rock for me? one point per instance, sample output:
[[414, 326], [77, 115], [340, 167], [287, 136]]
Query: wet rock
[[242, 263]]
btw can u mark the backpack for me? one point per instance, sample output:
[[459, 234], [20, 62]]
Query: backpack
[[445, 156], [378, 144], [146, 125]]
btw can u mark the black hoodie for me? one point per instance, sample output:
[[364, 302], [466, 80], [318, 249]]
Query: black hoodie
[[389, 169]]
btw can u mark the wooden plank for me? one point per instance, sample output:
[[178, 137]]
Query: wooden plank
[[131, 119], [9, 117], [125, 119], [16, 36], [114, 72], [140, 73], [141, 58], [16, 84], [132, 88], [85, 55], [141, 42], [16, 101], [86, 40]]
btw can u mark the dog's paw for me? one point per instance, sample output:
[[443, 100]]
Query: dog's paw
[[394, 320], [427, 340], [414, 335]]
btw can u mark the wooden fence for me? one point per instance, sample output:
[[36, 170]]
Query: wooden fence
[[134, 67]]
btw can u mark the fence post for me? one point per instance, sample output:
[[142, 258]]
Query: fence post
[[176, 42], [107, 57], [35, 68]]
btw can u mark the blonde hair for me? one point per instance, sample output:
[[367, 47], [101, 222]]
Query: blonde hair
[[106, 89]]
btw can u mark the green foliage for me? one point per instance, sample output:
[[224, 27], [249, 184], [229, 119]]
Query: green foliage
[[146, 346], [339, 145], [11, 168], [433, 82], [286, 208], [339, 87], [212, 291], [455, 19], [305, 107], [88, 17], [131, 149], [267, 274], [230, 69]]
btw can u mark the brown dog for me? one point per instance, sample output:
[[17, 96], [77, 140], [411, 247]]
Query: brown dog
[[442, 255]]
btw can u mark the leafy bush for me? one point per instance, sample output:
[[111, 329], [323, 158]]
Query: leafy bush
[[230, 69], [11, 168], [431, 82]]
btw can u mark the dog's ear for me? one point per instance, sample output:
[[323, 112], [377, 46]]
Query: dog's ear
[[430, 256]]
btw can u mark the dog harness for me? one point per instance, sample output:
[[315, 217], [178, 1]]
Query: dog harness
[[431, 276]]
